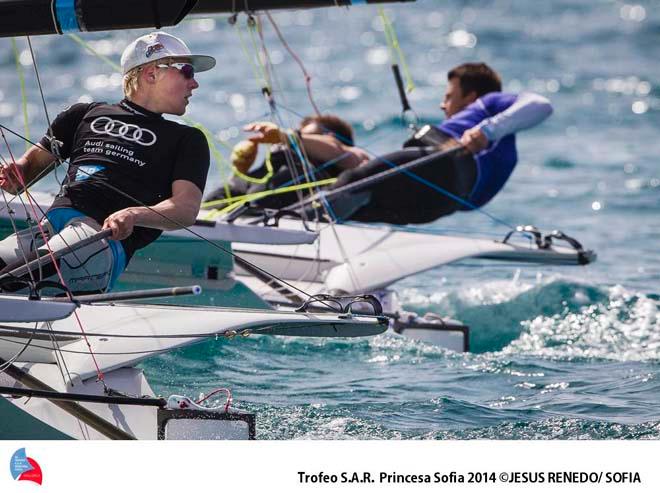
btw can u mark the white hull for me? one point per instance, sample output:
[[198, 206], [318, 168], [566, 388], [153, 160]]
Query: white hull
[[344, 258], [351, 258], [122, 335], [339, 259], [139, 421]]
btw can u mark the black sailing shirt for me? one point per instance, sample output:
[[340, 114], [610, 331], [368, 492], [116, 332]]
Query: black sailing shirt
[[129, 148]]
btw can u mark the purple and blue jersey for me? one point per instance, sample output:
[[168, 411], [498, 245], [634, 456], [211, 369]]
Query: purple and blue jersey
[[496, 163]]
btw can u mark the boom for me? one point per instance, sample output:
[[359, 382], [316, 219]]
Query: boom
[[30, 17]]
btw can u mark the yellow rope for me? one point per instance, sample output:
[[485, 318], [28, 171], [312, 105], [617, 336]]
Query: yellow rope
[[212, 215], [256, 63], [21, 78], [266, 193], [253, 60], [258, 181], [86, 45], [261, 75], [261, 55], [297, 144], [234, 202], [395, 49], [220, 161]]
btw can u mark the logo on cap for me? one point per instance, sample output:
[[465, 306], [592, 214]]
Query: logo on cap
[[153, 49]]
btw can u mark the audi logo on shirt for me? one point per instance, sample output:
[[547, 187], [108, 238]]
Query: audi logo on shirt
[[126, 131]]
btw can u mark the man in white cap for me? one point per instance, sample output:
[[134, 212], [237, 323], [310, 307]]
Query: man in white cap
[[130, 170]]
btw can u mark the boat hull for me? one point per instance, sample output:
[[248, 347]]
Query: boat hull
[[52, 422]]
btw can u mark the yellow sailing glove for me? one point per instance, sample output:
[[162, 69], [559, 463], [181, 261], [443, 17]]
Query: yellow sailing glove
[[243, 155]]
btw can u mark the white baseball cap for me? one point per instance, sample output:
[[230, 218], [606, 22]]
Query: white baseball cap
[[159, 45]]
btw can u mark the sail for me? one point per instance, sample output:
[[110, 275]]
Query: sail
[[31, 17]]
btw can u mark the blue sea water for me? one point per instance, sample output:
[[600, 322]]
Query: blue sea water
[[570, 352]]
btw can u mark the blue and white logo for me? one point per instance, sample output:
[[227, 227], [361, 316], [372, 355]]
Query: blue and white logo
[[19, 463], [24, 468], [87, 170]]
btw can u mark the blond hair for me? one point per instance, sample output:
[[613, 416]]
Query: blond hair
[[131, 81]]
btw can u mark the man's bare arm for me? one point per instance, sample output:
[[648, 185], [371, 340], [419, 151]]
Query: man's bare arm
[[179, 210], [30, 165], [319, 147], [324, 148]]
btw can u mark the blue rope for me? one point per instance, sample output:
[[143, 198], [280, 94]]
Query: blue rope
[[310, 168], [320, 167]]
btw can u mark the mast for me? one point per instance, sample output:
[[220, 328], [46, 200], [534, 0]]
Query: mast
[[32, 17]]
